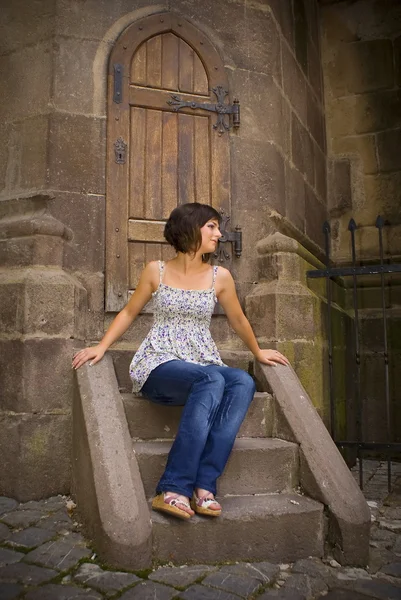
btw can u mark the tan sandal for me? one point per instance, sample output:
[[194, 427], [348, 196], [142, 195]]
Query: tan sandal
[[201, 506], [168, 503]]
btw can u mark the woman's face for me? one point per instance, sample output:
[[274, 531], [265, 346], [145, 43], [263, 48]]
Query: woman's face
[[210, 233]]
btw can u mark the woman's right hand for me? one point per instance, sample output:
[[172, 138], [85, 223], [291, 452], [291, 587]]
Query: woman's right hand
[[94, 354]]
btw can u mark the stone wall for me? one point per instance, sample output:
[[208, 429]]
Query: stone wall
[[361, 55]]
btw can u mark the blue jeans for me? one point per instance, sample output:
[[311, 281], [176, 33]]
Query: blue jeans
[[215, 401]]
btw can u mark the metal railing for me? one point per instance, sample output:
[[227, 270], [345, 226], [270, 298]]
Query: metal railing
[[386, 448]]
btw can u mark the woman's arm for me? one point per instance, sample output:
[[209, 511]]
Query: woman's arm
[[147, 285], [227, 296]]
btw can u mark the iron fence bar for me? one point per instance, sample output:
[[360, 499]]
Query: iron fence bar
[[380, 225], [327, 231], [357, 379], [392, 446], [348, 271]]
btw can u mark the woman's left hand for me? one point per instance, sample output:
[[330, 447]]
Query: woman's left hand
[[271, 357]]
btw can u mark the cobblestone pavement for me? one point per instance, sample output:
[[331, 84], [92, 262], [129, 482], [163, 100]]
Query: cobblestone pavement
[[43, 556]]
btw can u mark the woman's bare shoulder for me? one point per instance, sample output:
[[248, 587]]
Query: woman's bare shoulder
[[223, 274], [224, 280], [151, 273]]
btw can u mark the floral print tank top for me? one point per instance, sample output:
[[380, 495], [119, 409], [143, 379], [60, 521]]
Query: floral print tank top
[[180, 330]]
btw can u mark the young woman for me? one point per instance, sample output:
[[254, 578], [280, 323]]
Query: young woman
[[178, 362]]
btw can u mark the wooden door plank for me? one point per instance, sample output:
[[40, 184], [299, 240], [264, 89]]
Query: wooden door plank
[[138, 66], [117, 193], [158, 99], [170, 45], [186, 187], [153, 252], [201, 84], [137, 163], [202, 160], [154, 62], [186, 68], [137, 262], [153, 175], [145, 231], [169, 163]]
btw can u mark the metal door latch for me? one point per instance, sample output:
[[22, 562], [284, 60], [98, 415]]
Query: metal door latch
[[235, 237], [221, 108]]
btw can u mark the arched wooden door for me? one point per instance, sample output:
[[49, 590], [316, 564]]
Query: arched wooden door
[[158, 158]]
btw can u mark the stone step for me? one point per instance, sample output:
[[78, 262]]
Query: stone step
[[277, 528], [122, 356], [147, 420], [255, 466]]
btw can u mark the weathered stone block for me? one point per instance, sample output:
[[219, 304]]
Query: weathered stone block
[[23, 155], [5, 134], [35, 451], [294, 83], [212, 18], [383, 195], [334, 82], [281, 311], [24, 24], [397, 60], [32, 250], [258, 177], [263, 42], [301, 34], [315, 71], [95, 316], [34, 80], [339, 183], [361, 146], [74, 80], [320, 173], [368, 65], [315, 216], [50, 302], [341, 116], [47, 381], [377, 20], [260, 99], [98, 18], [85, 216], [285, 18], [76, 166], [295, 197], [32, 140], [388, 146], [315, 120], [302, 150], [251, 42], [335, 27], [378, 111]]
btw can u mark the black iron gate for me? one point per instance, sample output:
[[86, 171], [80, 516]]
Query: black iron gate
[[387, 449]]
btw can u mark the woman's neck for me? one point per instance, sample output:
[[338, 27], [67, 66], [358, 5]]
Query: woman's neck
[[188, 263]]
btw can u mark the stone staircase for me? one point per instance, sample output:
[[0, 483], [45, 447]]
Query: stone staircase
[[286, 492], [265, 517]]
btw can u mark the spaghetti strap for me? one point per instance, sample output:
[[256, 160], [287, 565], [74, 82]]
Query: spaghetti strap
[[214, 276], [161, 271]]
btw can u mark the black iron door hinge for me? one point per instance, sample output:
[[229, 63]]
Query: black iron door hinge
[[220, 107]]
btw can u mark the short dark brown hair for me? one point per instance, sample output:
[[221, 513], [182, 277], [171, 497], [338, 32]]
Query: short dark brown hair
[[182, 230]]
